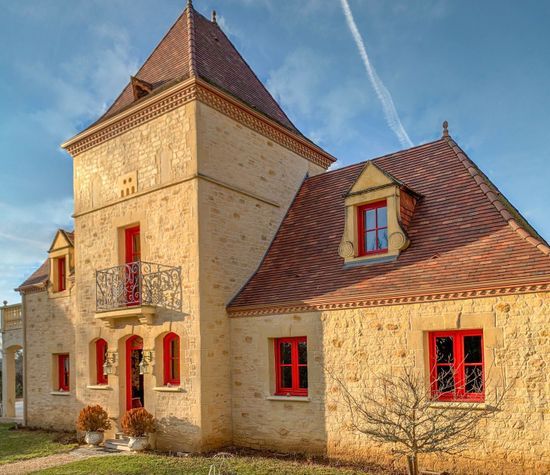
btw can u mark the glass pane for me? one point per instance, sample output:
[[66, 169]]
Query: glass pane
[[382, 217], [370, 219], [445, 379], [285, 349], [444, 349], [175, 369], [303, 376], [472, 349], [383, 239], [175, 347], [370, 241], [474, 379], [302, 352], [286, 377]]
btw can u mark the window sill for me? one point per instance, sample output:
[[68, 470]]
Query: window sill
[[100, 387], [459, 405], [59, 294], [169, 389], [60, 393], [289, 398]]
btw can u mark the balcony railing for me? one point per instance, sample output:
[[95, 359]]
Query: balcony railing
[[138, 283], [12, 317]]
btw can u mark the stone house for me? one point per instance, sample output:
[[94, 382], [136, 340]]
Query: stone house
[[216, 268]]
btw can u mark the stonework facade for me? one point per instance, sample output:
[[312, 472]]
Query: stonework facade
[[208, 184]]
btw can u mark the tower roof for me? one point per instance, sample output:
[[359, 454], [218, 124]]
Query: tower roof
[[197, 47]]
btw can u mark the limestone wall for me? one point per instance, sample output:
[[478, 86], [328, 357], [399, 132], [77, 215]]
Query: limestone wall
[[247, 185], [50, 330], [358, 344], [160, 154]]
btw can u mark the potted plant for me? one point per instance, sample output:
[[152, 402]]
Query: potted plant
[[93, 420], [137, 424]]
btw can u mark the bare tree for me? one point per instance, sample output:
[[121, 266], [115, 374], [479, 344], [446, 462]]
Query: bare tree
[[402, 410]]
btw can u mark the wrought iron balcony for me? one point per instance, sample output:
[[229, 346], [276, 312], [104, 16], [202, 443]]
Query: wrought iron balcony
[[138, 284]]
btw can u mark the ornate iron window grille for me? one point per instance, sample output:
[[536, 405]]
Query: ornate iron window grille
[[138, 283]]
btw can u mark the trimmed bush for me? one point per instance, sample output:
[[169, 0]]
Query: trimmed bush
[[93, 419], [137, 422]]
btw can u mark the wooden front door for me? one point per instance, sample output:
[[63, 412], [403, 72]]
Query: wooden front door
[[132, 269], [134, 380]]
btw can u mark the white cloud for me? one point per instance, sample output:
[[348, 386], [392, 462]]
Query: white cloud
[[81, 88], [300, 86], [26, 232]]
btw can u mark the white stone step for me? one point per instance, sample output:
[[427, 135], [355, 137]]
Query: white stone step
[[117, 444]]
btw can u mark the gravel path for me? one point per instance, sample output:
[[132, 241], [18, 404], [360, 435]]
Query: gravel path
[[39, 463]]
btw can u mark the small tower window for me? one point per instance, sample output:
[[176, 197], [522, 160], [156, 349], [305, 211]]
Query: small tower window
[[101, 357], [171, 360]]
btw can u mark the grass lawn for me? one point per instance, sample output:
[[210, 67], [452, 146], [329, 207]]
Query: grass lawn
[[22, 444], [158, 464]]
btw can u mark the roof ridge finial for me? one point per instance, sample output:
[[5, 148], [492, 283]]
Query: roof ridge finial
[[189, 3], [214, 17], [445, 128]]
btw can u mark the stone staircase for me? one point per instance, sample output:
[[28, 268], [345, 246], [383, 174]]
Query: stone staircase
[[119, 443]]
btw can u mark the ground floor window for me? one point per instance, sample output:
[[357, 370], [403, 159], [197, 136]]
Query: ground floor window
[[171, 349], [456, 365], [101, 358], [63, 372], [291, 366]]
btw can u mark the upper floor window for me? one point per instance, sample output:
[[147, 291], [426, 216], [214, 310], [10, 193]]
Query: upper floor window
[[291, 366], [101, 358], [171, 359], [63, 372], [372, 222], [456, 365], [132, 244], [61, 274]]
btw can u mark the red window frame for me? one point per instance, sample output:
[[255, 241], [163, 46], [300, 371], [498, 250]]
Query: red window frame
[[171, 359], [100, 354], [132, 244], [63, 372], [458, 366], [362, 229], [295, 389], [61, 274]]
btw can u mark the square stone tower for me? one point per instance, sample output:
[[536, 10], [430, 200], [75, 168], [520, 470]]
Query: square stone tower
[[179, 190]]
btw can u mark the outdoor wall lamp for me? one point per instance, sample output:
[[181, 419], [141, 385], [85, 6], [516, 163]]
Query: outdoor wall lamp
[[108, 365], [145, 363]]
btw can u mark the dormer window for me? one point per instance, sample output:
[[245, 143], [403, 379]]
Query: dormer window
[[378, 210], [61, 262], [61, 274], [372, 222]]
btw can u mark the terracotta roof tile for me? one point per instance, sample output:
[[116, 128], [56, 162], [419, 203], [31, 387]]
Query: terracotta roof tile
[[464, 234], [38, 278], [196, 46]]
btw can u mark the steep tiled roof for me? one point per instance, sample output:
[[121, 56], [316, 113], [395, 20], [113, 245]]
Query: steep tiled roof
[[38, 278], [197, 47], [464, 235]]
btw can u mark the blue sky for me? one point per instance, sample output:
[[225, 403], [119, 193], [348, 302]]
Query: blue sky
[[483, 66]]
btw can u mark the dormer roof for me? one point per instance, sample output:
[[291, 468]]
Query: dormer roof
[[39, 278], [197, 47], [466, 241]]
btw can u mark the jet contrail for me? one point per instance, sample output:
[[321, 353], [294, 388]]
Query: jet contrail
[[392, 117]]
